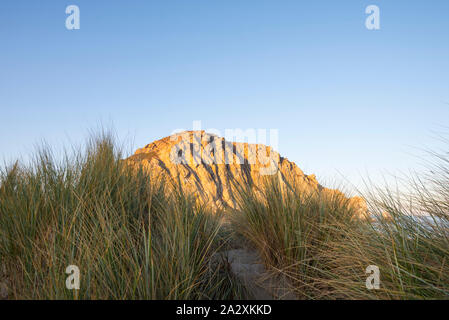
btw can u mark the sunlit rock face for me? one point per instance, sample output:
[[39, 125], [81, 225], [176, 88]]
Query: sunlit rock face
[[210, 166]]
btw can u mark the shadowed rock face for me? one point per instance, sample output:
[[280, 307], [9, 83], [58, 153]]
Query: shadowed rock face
[[209, 165]]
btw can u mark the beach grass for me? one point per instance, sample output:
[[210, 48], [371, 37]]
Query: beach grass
[[314, 241], [132, 236], [137, 236]]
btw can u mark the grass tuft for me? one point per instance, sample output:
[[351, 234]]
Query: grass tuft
[[132, 236]]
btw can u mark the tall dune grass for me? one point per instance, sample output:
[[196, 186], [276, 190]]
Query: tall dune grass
[[137, 236], [292, 229], [131, 236], [318, 245]]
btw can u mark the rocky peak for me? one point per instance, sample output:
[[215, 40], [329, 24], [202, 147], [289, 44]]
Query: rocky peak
[[209, 165]]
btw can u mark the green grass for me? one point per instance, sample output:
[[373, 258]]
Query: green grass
[[314, 241], [292, 230], [137, 236], [132, 236]]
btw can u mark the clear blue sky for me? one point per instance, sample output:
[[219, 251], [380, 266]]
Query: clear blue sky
[[345, 99]]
